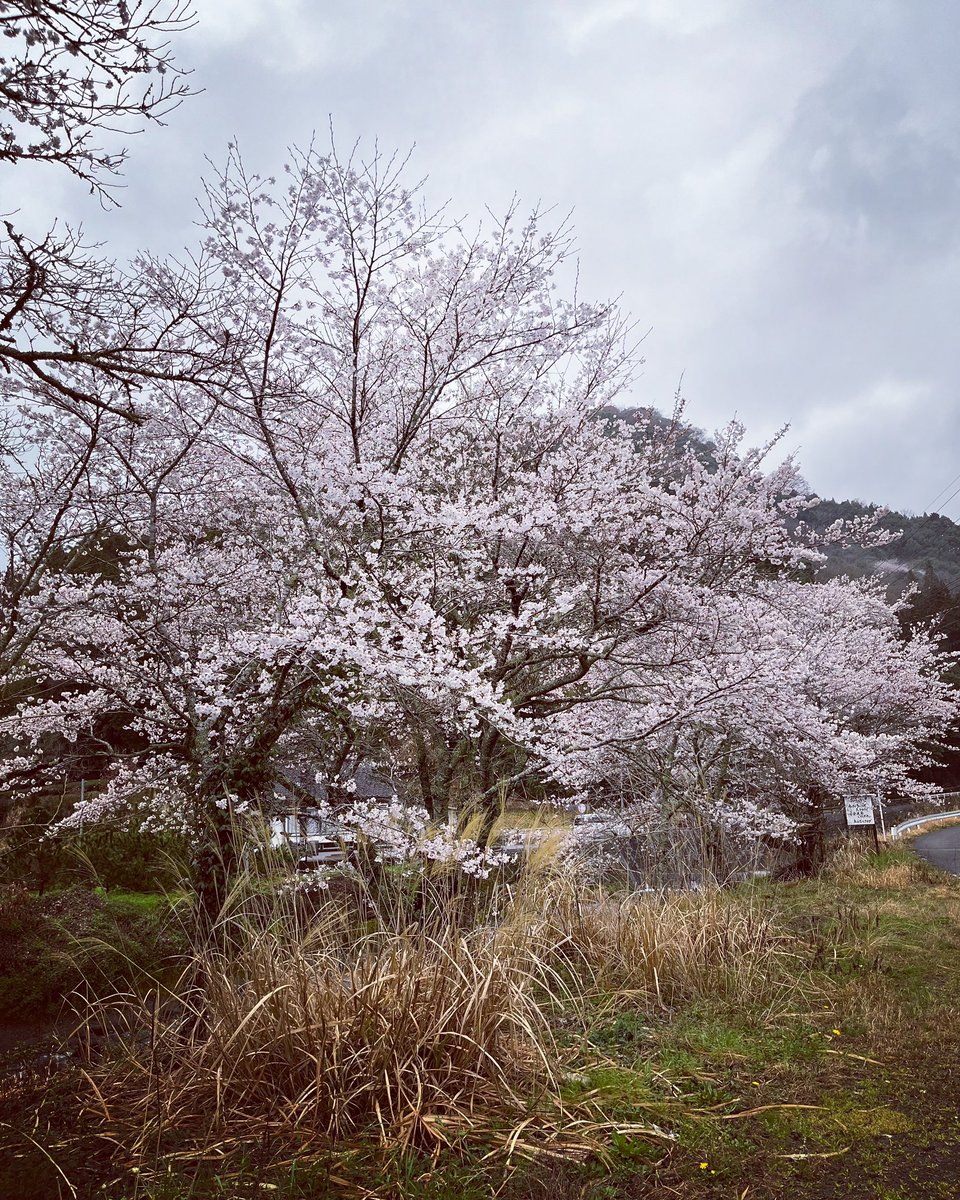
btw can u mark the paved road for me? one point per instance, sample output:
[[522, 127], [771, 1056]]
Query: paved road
[[941, 847]]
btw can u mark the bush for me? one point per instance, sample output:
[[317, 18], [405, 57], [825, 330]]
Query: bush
[[124, 858], [133, 861]]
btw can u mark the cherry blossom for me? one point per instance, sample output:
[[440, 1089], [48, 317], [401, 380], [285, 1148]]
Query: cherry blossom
[[397, 519]]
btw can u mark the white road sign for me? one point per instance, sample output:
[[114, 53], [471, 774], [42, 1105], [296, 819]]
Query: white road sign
[[859, 810]]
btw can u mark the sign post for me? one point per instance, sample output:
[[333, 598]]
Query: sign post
[[859, 811]]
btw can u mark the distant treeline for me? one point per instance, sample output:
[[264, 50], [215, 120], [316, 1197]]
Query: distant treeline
[[926, 548]]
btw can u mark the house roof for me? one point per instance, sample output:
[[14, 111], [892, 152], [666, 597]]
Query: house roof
[[367, 786]]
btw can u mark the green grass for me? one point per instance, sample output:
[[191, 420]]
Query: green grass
[[133, 903]]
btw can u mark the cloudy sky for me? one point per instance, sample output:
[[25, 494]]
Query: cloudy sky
[[773, 188]]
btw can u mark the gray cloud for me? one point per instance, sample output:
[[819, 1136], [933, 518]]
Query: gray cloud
[[864, 161], [772, 188]]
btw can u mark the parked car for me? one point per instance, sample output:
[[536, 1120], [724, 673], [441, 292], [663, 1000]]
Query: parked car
[[318, 852], [600, 826]]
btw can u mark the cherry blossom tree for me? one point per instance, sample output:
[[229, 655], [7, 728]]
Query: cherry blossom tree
[[395, 513], [585, 579], [806, 694], [74, 328], [267, 523], [76, 68]]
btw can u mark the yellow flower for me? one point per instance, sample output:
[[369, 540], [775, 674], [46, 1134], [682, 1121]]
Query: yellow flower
[[837, 1032], [703, 1166]]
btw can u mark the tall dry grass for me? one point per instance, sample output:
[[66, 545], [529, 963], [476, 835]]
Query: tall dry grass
[[665, 948], [855, 863], [347, 1022], [334, 1029]]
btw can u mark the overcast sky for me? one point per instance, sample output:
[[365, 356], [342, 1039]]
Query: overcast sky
[[774, 188]]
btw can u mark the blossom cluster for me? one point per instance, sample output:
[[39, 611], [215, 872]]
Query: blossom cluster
[[405, 833]]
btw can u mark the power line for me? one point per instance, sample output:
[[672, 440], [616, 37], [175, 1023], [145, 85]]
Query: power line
[[913, 533], [955, 479]]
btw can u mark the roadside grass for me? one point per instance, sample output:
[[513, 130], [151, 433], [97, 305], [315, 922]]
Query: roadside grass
[[856, 1099], [910, 835], [779, 1039], [894, 867]]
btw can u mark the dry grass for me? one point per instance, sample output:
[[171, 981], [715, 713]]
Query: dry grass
[[309, 1033], [461, 1032], [854, 863], [908, 835], [663, 948], [549, 820], [409, 1034]]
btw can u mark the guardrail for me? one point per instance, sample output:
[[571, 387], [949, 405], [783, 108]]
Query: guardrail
[[914, 822]]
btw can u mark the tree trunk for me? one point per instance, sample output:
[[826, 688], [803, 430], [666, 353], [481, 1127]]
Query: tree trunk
[[215, 861], [811, 850], [425, 776]]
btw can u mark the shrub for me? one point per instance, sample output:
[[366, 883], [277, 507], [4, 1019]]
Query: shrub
[[125, 859]]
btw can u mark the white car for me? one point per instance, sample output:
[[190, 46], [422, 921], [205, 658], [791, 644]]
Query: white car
[[318, 852], [600, 826]]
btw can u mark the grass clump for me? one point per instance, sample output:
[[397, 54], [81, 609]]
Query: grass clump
[[895, 867], [410, 1033], [317, 1028], [667, 948], [311, 1030]]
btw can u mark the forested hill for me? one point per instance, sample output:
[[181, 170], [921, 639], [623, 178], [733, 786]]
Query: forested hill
[[926, 550], [925, 554]]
